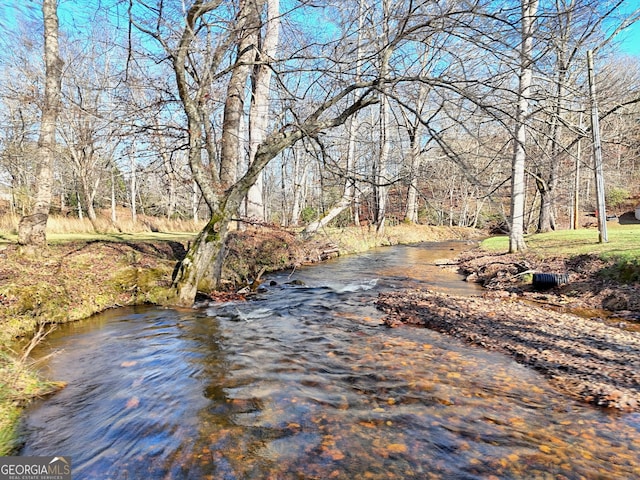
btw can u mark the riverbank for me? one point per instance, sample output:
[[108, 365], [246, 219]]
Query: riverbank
[[583, 335], [79, 278]]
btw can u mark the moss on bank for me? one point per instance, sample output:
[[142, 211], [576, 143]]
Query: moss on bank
[[71, 281]]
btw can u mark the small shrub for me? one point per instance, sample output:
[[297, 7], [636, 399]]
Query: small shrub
[[624, 270], [616, 197], [308, 214]]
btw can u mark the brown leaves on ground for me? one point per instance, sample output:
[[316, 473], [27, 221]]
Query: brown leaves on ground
[[585, 289], [586, 358], [257, 250]]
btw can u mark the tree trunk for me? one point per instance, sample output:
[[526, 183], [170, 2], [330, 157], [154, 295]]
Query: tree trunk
[[516, 235], [299, 185], [259, 111], [231, 139], [207, 254], [547, 188], [380, 165], [336, 210], [195, 202], [32, 228], [411, 212], [114, 217], [170, 173], [198, 260], [80, 214], [546, 218], [415, 131], [134, 212]]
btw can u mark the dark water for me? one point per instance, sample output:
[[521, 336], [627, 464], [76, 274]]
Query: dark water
[[305, 383]]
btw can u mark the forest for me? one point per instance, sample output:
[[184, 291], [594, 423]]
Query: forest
[[304, 113]]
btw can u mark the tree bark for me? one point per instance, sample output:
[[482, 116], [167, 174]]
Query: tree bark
[[380, 164], [32, 228], [204, 259], [516, 234], [133, 189], [114, 216], [259, 112], [344, 203], [415, 131], [207, 254], [231, 139]]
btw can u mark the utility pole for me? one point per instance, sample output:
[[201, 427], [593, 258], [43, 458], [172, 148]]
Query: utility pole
[[597, 154]]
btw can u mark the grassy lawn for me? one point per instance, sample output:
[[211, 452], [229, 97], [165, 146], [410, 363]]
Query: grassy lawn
[[622, 249], [624, 241]]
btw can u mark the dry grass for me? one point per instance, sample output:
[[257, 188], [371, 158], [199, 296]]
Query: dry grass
[[361, 239], [60, 225]]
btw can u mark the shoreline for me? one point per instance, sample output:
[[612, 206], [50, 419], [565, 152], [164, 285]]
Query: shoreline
[[77, 279], [589, 357]]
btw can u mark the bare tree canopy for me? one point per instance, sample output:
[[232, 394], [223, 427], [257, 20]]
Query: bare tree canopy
[[313, 114]]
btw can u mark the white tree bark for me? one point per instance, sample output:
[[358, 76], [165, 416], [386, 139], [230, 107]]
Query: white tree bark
[[259, 111], [32, 228], [380, 164], [133, 188], [516, 235]]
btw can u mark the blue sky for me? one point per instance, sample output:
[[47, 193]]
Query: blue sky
[[72, 17], [631, 39]]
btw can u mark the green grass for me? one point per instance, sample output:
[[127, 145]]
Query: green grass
[[622, 250], [624, 241]]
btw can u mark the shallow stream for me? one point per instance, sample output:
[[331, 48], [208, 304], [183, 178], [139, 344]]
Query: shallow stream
[[305, 383]]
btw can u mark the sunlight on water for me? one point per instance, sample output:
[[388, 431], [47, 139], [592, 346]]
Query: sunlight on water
[[305, 382]]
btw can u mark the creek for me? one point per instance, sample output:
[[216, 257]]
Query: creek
[[304, 382]]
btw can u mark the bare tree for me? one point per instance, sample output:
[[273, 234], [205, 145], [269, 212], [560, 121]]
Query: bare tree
[[32, 228], [259, 111], [193, 80], [516, 234]]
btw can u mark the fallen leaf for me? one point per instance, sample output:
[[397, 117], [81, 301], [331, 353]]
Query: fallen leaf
[[397, 448]]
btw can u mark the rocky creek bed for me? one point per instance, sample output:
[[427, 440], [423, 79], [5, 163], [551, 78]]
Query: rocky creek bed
[[593, 355]]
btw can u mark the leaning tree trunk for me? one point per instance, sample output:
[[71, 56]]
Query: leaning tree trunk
[[344, 203], [204, 259], [202, 266], [32, 228]]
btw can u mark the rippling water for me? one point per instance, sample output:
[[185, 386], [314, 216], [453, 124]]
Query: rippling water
[[305, 382]]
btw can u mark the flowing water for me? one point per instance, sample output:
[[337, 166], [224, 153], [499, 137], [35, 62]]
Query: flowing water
[[305, 383]]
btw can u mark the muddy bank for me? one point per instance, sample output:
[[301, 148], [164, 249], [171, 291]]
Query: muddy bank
[[586, 289], [590, 356]]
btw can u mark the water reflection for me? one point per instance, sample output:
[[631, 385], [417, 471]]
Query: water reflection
[[306, 383]]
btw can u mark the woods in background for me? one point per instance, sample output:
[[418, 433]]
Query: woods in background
[[303, 113]]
